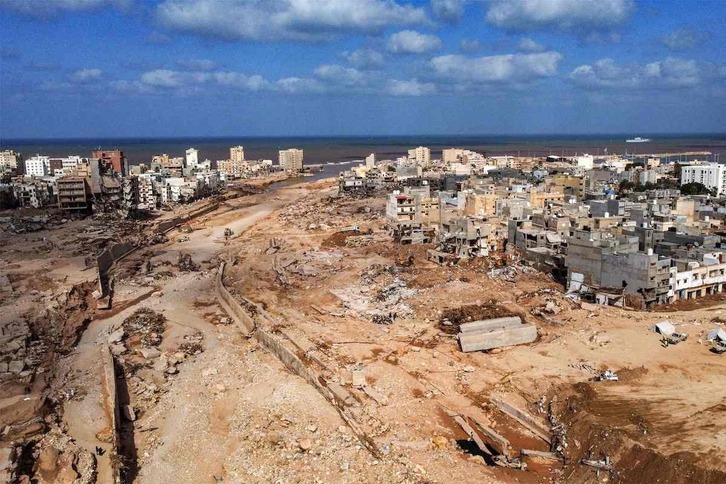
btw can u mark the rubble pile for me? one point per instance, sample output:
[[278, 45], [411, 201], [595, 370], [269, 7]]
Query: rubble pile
[[56, 458], [144, 327], [452, 318], [145, 366], [185, 263], [315, 213], [20, 356], [381, 304]]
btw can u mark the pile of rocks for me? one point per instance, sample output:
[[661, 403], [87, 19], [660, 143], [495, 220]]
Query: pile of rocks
[[19, 356]]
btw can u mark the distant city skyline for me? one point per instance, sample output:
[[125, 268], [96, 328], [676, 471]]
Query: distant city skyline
[[182, 68]]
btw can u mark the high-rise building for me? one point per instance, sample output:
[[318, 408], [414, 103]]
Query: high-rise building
[[291, 159], [237, 154], [192, 158], [421, 155], [113, 159], [371, 160]]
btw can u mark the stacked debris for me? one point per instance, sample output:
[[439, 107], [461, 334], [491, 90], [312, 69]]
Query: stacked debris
[[145, 326], [185, 263], [316, 213], [381, 306], [145, 367], [19, 355]]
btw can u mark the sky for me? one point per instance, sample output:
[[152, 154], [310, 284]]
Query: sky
[[142, 68]]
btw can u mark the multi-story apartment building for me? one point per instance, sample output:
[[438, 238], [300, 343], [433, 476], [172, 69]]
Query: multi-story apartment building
[[113, 159], [10, 161], [34, 193], [192, 158], [74, 194], [37, 166], [421, 155], [237, 154], [712, 175], [291, 159]]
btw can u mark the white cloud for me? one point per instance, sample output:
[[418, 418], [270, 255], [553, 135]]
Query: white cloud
[[412, 87], [273, 20], [130, 87], [449, 10], [580, 16], [50, 8], [529, 45], [86, 75], [299, 85], [668, 73], [164, 78], [197, 64], [364, 58], [684, 39], [412, 42], [339, 75], [239, 81], [510, 68]]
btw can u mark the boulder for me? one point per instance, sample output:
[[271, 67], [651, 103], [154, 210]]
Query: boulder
[[150, 353]]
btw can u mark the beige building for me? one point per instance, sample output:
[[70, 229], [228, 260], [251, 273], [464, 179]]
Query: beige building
[[421, 155], [480, 204], [237, 154], [291, 159], [232, 168], [9, 160]]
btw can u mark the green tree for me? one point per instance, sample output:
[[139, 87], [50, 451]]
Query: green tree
[[696, 188]]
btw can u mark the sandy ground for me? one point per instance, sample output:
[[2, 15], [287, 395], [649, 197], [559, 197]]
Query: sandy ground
[[233, 412]]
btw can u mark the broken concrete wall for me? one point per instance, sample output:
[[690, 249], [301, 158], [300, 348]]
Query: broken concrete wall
[[121, 249], [111, 404], [287, 356]]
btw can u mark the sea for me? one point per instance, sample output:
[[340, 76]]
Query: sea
[[334, 152]]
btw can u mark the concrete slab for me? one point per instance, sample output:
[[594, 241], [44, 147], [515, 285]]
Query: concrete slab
[[486, 325], [526, 333]]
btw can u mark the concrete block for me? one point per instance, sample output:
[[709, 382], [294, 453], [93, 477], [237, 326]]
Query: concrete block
[[486, 325], [523, 334]]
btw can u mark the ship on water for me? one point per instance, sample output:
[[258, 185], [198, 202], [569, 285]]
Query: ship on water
[[637, 139]]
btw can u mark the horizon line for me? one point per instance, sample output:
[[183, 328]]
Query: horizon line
[[342, 136]]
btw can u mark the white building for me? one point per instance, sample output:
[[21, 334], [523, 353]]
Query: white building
[[291, 159], [37, 166], [192, 158], [421, 155], [709, 174], [237, 154], [371, 160], [585, 161]]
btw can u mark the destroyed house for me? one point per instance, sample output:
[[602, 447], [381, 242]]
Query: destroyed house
[[600, 262], [468, 237]]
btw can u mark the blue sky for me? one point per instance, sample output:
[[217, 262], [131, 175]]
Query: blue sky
[[116, 68]]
